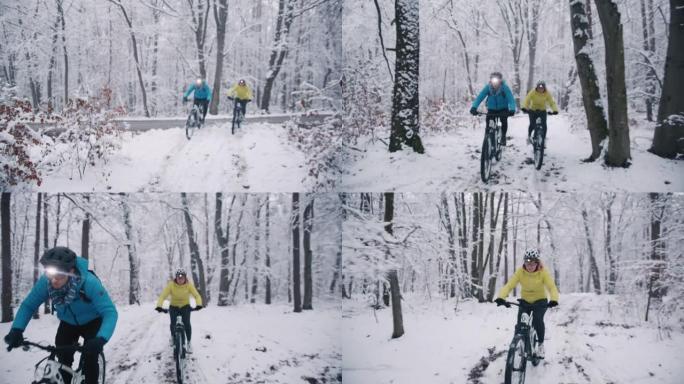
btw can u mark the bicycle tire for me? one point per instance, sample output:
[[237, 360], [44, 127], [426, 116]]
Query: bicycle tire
[[178, 356], [535, 360], [516, 349], [499, 147], [538, 149], [485, 160]]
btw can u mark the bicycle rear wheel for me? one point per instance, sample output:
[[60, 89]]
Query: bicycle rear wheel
[[516, 362], [486, 159], [179, 356], [538, 148], [499, 147]]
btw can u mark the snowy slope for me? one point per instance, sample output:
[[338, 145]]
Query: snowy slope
[[256, 159], [590, 339], [245, 344], [452, 162]]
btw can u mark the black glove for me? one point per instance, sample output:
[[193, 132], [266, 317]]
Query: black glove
[[248, 100], [185, 99], [499, 302], [553, 113], [511, 113], [552, 303], [94, 346], [14, 338], [473, 111], [198, 307], [159, 309], [525, 110]]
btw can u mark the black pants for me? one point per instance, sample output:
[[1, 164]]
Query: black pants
[[68, 334], [204, 105], [243, 105], [504, 119], [538, 309], [533, 124], [184, 312]]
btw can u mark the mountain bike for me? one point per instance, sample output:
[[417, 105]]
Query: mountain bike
[[491, 145], [523, 348], [538, 137], [50, 371], [180, 348], [194, 120], [238, 115]]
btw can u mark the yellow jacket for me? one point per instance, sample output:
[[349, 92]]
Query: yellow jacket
[[537, 101], [241, 92], [532, 285], [180, 294]]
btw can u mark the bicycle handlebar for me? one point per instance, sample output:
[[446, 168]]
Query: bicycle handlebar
[[50, 348], [166, 310], [520, 304], [493, 114]]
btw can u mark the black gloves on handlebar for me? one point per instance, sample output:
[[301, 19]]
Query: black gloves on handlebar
[[14, 338], [159, 309], [499, 302], [198, 307], [94, 346], [552, 303], [511, 113], [473, 111], [553, 113], [525, 110]]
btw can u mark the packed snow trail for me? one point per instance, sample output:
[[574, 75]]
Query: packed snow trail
[[452, 162], [258, 158], [589, 339], [243, 344]]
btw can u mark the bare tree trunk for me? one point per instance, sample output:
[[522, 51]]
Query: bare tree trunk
[[502, 248], [60, 12], [199, 15], [337, 272], [36, 249], [52, 64], [220, 18], [308, 254], [591, 96], [133, 262], [46, 242], [595, 277], [267, 237], [296, 268], [405, 97], [668, 139], [533, 27], [618, 141], [255, 276], [223, 243], [280, 48], [85, 229], [395, 293], [197, 266], [5, 220], [451, 243]]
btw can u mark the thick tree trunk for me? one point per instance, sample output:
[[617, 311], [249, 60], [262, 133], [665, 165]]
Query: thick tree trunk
[[267, 237], [595, 277], [220, 18], [133, 262], [257, 234], [395, 293], [658, 254], [618, 133], [533, 27], [591, 96], [60, 12], [36, 248], [308, 254], [223, 242], [85, 229], [46, 242], [405, 98], [668, 139], [197, 266], [5, 223], [280, 48], [296, 268]]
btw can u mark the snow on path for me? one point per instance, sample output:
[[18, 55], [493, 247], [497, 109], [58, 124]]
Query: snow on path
[[590, 339], [257, 158], [249, 343], [452, 162]]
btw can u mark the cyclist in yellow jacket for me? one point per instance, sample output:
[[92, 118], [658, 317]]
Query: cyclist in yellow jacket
[[241, 93], [180, 290], [535, 104], [534, 281]]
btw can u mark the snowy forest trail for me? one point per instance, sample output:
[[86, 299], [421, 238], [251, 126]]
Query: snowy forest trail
[[589, 339], [257, 158], [244, 344], [453, 161]]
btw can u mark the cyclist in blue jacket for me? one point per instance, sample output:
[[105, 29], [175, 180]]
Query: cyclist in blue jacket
[[81, 304], [202, 96], [500, 101]]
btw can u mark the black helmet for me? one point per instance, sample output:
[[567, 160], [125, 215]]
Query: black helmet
[[531, 255], [242, 82], [62, 258], [496, 74], [541, 83], [181, 272]]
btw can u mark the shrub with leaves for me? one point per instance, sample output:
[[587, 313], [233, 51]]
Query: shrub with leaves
[[16, 141]]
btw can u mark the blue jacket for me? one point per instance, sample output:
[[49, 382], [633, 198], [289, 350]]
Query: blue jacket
[[79, 311], [496, 99], [201, 93]]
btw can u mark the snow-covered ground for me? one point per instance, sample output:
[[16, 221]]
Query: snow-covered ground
[[244, 344], [257, 158], [452, 162], [589, 339]]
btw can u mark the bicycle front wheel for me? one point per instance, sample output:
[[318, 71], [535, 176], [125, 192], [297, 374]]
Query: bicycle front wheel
[[538, 149], [189, 125], [486, 160], [516, 362], [179, 356], [499, 147]]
